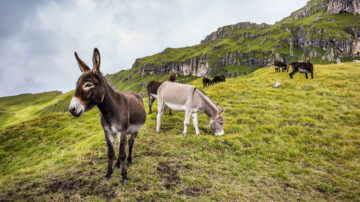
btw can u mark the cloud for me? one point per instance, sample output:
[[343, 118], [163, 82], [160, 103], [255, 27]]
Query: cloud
[[38, 39]]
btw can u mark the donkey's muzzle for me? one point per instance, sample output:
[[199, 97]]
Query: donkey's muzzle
[[76, 108], [73, 112]]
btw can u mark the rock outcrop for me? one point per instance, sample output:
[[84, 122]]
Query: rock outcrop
[[197, 66], [310, 9], [344, 6]]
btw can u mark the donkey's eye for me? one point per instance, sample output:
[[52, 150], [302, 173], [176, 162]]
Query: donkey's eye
[[88, 85]]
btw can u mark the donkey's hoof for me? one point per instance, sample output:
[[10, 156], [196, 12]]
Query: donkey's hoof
[[128, 163], [124, 181], [105, 179], [117, 167]]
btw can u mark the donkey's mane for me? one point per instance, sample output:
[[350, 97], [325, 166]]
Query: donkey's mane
[[207, 99]]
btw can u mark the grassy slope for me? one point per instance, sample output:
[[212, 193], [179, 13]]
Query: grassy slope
[[15, 109], [299, 141]]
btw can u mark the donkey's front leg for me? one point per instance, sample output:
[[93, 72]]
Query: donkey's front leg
[[186, 121], [111, 153], [195, 122]]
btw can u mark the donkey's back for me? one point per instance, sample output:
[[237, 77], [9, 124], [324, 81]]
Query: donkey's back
[[175, 95]]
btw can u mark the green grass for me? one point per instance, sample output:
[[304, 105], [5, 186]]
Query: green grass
[[300, 141], [15, 109]]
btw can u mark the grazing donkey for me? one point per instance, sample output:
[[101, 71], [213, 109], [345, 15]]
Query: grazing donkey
[[280, 65], [302, 67], [187, 98], [218, 79], [153, 86], [206, 82], [121, 113]]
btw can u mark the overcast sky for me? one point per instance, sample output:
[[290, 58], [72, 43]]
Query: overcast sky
[[38, 37]]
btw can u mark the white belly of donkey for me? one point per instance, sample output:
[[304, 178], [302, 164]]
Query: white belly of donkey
[[176, 107]]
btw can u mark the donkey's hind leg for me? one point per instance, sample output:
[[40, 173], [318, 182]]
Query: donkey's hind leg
[[151, 100], [131, 143], [160, 111], [186, 121], [122, 156]]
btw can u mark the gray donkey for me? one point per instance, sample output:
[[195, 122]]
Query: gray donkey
[[182, 97]]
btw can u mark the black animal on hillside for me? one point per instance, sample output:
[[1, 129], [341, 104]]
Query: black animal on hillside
[[302, 67], [153, 86], [218, 79], [207, 82], [280, 65]]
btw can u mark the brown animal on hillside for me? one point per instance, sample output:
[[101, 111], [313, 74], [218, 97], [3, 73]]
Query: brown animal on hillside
[[153, 86], [121, 113], [280, 65], [302, 67], [207, 82], [218, 79]]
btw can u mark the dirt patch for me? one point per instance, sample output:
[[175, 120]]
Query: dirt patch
[[83, 187], [73, 184], [152, 153], [169, 174]]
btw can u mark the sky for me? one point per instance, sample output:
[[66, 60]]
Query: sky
[[38, 37]]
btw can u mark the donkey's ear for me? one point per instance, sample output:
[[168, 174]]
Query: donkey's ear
[[82, 65], [217, 104], [96, 60], [222, 109]]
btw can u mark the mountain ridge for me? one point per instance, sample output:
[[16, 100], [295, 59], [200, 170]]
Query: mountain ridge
[[317, 32]]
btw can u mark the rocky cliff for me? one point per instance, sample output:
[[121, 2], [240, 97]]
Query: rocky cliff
[[344, 6], [323, 31]]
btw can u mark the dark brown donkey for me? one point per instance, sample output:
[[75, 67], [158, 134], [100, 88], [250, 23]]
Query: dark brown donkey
[[121, 113], [153, 86], [302, 67]]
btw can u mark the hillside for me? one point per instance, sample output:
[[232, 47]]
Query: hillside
[[300, 141], [321, 32]]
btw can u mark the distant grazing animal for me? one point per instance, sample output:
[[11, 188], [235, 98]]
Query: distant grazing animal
[[153, 86], [280, 65], [121, 113], [173, 76], [218, 79], [187, 98], [302, 67], [206, 82]]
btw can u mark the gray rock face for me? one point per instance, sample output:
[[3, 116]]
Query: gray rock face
[[309, 9], [344, 6], [197, 66]]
